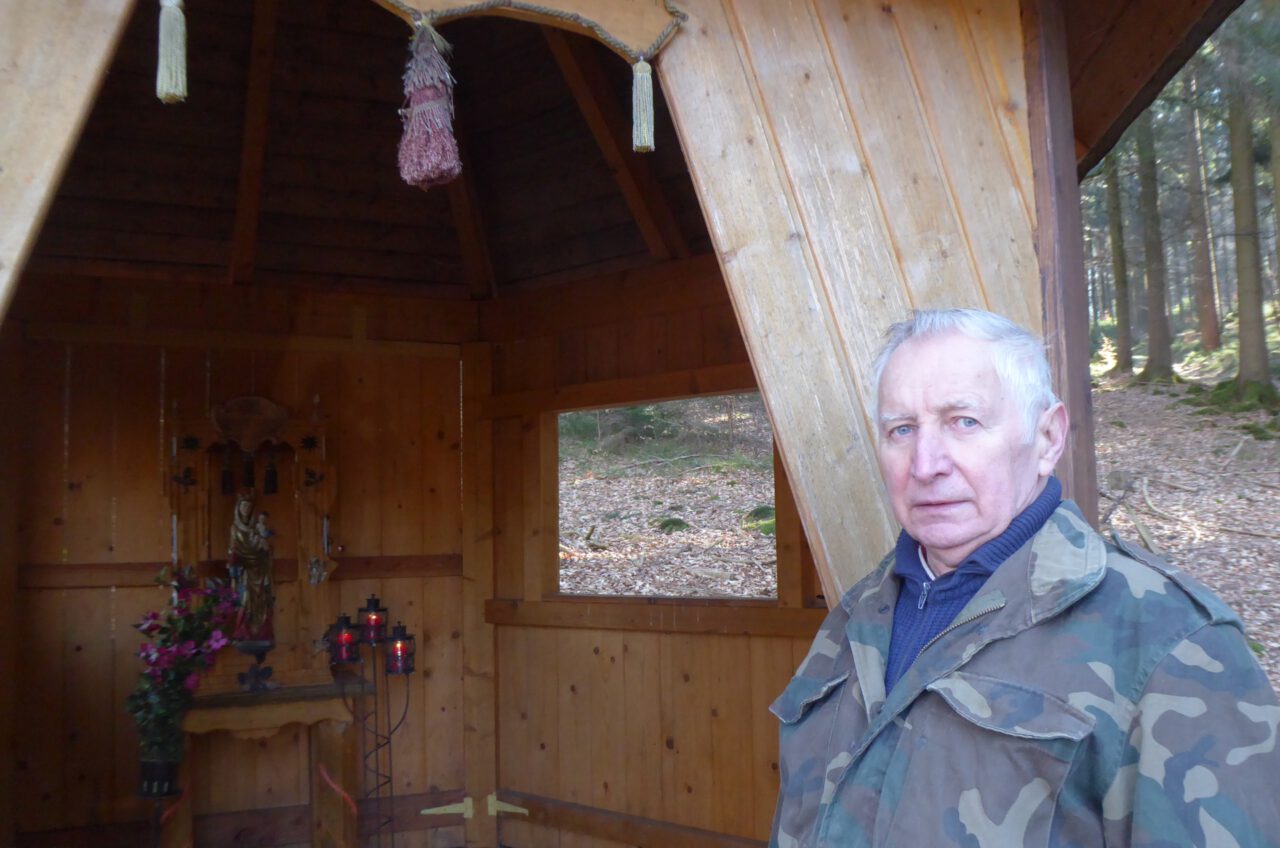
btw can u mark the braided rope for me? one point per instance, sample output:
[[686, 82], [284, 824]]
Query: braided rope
[[677, 18]]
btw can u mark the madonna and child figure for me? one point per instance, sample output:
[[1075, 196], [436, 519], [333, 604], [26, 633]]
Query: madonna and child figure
[[249, 565]]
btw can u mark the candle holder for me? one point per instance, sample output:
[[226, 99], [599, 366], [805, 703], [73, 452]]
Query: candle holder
[[401, 650], [344, 646], [368, 657], [373, 621]]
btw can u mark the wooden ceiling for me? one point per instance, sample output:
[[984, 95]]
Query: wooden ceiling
[[280, 169], [1122, 53], [281, 166]]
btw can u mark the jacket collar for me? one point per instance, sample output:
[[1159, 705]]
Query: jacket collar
[[1059, 565]]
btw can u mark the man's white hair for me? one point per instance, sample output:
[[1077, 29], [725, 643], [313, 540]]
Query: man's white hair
[[1018, 355]]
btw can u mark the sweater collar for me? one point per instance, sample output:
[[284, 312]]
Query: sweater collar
[[989, 555]]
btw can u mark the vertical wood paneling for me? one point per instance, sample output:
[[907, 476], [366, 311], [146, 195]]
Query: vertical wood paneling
[[610, 784], [140, 526], [41, 522], [981, 175], [401, 459], [442, 454], [577, 684], [644, 742], [997, 36], [771, 668], [92, 425], [360, 433], [732, 740], [909, 188], [41, 757], [508, 507], [440, 664], [90, 763]]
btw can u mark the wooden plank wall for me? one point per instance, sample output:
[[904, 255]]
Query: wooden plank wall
[[900, 177], [638, 723], [102, 365]]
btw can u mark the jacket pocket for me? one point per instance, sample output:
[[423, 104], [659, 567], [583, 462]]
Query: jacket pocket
[[981, 761], [801, 694], [1010, 708]]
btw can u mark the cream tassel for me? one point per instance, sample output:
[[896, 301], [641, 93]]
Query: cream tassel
[[171, 68], [641, 107]]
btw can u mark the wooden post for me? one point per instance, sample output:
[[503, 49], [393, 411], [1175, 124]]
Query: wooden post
[[55, 56], [12, 441], [479, 693], [1059, 240]]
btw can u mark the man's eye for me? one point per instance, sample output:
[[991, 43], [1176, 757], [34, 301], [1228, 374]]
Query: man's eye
[[901, 430], [967, 422]]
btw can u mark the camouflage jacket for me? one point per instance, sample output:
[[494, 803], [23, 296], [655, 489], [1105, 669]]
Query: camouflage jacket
[[1086, 696]]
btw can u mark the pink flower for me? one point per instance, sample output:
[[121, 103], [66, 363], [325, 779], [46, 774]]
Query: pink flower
[[186, 649], [217, 641], [192, 682], [150, 623]]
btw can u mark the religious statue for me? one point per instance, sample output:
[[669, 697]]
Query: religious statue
[[249, 565]]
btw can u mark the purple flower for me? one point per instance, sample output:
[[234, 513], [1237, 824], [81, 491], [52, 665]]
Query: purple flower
[[192, 682], [150, 623], [217, 641], [186, 649]]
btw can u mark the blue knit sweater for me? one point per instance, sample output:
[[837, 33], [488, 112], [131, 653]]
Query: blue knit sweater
[[925, 606]]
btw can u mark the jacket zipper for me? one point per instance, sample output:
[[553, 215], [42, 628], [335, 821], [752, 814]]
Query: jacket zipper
[[973, 616], [924, 594]]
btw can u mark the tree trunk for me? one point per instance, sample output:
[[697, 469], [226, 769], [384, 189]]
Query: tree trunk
[[1244, 195], [1274, 126], [1120, 272], [1198, 227], [1159, 342]]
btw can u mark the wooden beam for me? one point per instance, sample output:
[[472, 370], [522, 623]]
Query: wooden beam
[[253, 151], [617, 827], [479, 688], [230, 340], [656, 289], [660, 615], [1059, 239], [713, 379], [106, 575], [611, 129], [55, 56], [468, 222]]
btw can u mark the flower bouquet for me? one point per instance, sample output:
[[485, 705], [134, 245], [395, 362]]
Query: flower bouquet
[[184, 640]]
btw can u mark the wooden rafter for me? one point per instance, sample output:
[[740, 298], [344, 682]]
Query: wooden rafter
[[253, 152], [644, 197], [468, 221]]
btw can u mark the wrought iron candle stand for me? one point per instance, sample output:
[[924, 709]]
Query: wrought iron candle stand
[[365, 645]]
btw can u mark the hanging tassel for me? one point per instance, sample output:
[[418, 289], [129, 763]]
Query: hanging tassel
[[171, 68], [428, 150], [641, 107]]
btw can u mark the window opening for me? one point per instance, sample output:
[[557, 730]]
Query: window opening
[[669, 499]]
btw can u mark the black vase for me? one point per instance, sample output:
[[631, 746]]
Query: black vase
[[159, 778]]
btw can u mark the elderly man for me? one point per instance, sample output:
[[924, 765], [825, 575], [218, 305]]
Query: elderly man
[[1006, 677]]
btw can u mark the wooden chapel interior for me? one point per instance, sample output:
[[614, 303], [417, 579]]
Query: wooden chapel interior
[[819, 168]]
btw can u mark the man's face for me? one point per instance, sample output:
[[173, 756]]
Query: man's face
[[954, 451]]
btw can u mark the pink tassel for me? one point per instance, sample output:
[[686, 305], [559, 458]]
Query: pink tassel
[[428, 150]]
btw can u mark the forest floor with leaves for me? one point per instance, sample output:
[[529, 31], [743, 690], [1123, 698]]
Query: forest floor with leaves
[[1190, 482]]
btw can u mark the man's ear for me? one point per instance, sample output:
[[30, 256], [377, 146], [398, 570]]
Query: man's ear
[[1051, 438]]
